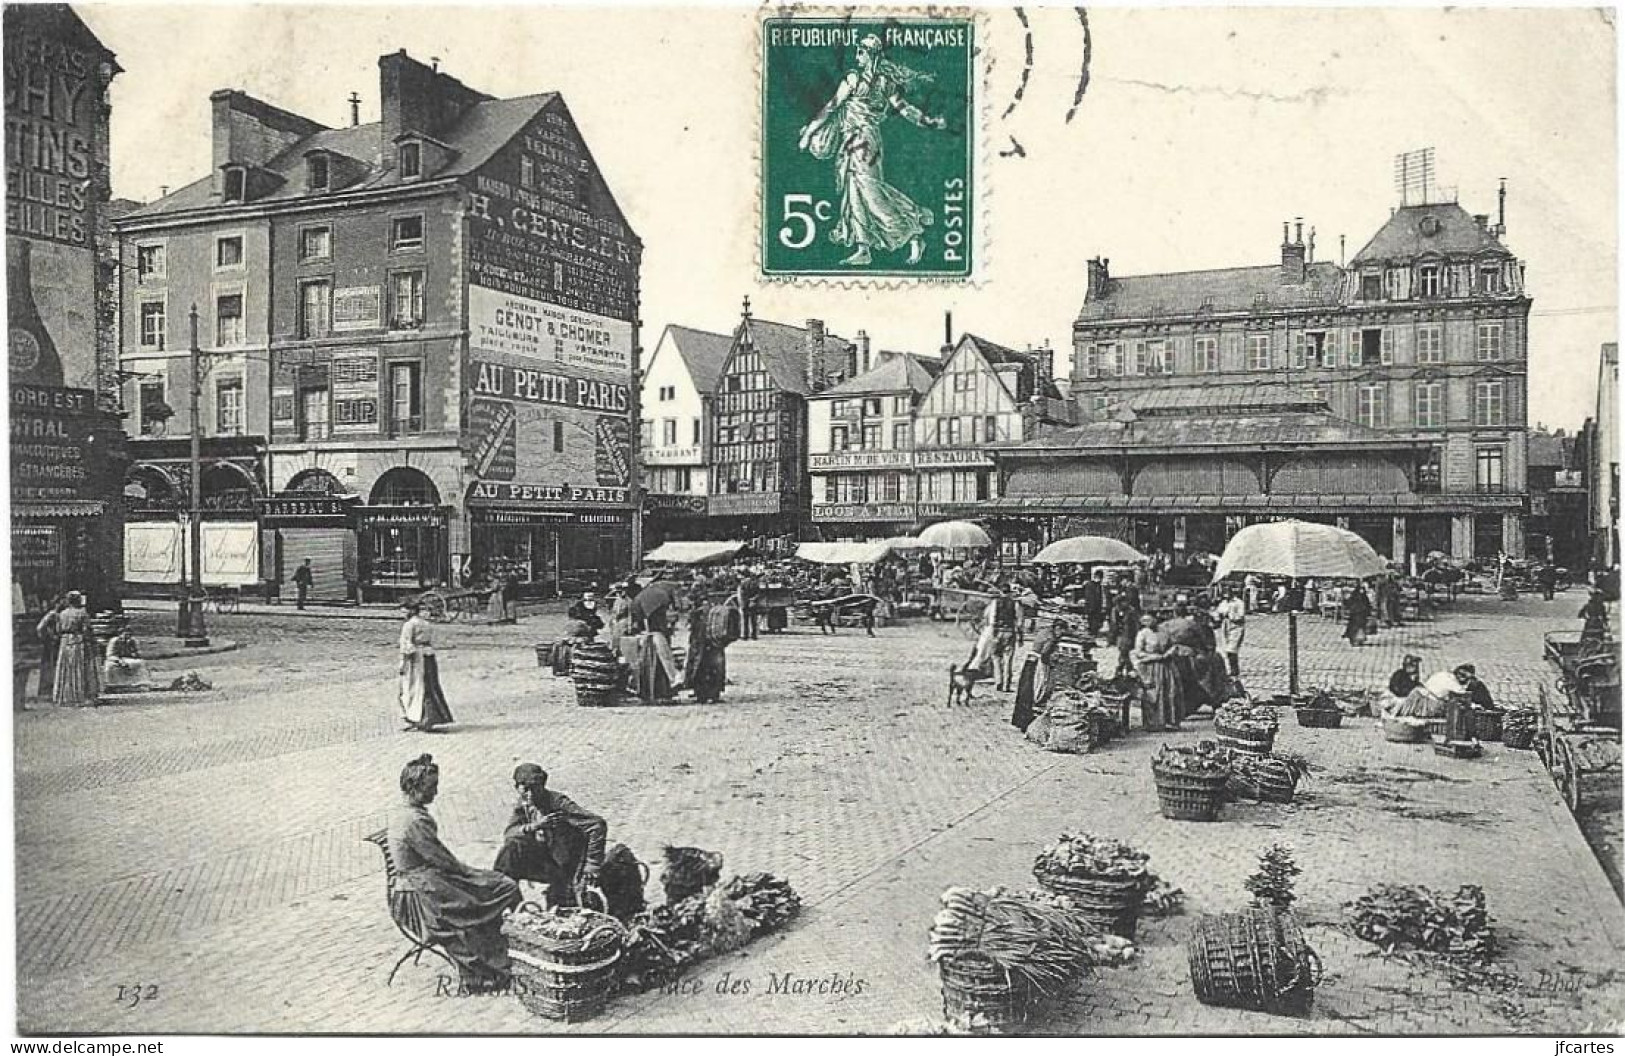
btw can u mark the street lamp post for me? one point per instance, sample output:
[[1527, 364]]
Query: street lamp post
[[192, 628]]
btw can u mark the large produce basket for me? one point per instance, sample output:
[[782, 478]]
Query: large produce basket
[[568, 979], [979, 994], [1320, 718], [1110, 903], [1185, 796], [1256, 959], [596, 673], [1404, 732]]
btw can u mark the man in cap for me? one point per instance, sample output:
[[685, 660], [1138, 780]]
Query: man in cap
[[549, 839], [586, 611]]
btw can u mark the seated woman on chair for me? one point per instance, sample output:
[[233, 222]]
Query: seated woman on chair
[[124, 669], [462, 907], [550, 840]]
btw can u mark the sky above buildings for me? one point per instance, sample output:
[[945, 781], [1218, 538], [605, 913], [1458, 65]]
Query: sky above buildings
[[1200, 132]]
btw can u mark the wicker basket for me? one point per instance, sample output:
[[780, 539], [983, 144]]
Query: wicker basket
[[596, 673], [1321, 718], [1256, 959], [1486, 723], [1184, 796], [571, 980], [1404, 732], [1517, 731], [1109, 903], [1274, 780], [544, 655], [1249, 743], [979, 994]]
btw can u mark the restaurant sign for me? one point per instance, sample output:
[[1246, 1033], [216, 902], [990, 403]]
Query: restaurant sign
[[951, 457], [861, 511], [860, 460]]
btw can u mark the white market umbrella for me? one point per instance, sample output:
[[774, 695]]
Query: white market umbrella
[[956, 535], [677, 553], [1299, 549], [1088, 550]]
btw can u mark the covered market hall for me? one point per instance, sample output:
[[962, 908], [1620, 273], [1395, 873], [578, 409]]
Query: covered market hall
[[1182, 470]]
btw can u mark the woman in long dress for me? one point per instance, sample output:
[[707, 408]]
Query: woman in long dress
[[462, 906], [1037, 678], [422, 702], [78, 682], [874, 214], [1159, 682], [1357, 609]]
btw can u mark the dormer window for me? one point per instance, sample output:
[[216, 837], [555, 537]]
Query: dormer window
[[411, 160], [318, 173], [1371, 286], [1429, 275], [236, 184]]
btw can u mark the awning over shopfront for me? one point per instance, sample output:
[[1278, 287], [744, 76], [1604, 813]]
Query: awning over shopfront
[[1402, 502], [844, 553], [693, 553]]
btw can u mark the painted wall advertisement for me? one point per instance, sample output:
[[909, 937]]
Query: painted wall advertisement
[[551, 303], [53, 93], [53, 445]]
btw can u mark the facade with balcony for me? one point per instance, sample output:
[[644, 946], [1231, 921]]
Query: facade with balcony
[[860, 448], [1423, 334], [430, 318]]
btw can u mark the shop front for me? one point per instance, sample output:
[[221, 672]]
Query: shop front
[[543, 541], [862, 521], [314, 520], [674, 517], [402, 536]]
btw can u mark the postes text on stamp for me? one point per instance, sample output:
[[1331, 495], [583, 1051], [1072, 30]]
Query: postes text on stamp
[[868, 147]]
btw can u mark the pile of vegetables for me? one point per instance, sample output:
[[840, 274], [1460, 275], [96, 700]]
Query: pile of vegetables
[[688, 871], [191, 682], [1519, 728], [666, 940], [766, 901], [1207, 759], [1076, 722], [1400, 916], [1243, 717], [1038, 939], [1091, 856], [1161, 898], [572, 931]]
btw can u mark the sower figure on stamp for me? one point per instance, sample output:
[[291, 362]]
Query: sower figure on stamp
[[874, 214]]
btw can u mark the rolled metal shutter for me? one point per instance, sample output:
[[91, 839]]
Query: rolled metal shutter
[[332, 561]]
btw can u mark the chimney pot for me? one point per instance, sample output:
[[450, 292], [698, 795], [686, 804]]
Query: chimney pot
[[1299, 238], [1286, 232]]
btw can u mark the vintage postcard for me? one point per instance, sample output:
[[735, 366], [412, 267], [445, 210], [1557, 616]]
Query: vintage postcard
[[739, 520]]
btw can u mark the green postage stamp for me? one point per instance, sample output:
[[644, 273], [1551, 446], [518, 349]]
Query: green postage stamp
[[868, 147]]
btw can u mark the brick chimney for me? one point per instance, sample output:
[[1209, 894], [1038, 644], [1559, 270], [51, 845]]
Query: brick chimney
[[1293, 256], [1100, 278], [417, 98], [1044, 362], [815, 355], [865, 364], [250, 133]]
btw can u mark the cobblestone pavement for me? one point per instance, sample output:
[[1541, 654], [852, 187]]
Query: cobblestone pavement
[[209, 846]]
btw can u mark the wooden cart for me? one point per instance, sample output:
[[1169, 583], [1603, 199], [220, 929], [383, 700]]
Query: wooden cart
[[1580, 723]]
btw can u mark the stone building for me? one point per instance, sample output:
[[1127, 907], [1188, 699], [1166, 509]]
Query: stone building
[[67, 443], [1423, 334], [431, 320], [860, 447], [679, 382]]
